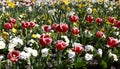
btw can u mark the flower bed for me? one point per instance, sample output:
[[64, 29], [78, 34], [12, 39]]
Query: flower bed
[[59, 35]]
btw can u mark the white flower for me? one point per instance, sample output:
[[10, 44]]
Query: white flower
[[99, 52], [38, 35], [76, 44], [2, 45], [30, 8], [52, 12], [44, 52], [70, 13], [24, 55], [12, 45], [88, 56], [36, 25], [106, 1], [88, 33], [31, 51], [1, 57], [34, 53], [66, 39], [17, 3], [10, 49], [16, 41], [71, 54], [27, 0], [28, 49], [93, 1], [110, 9], [31, 42], [116, 33], [114, 56], [1, 39], [105, 5], [89, 48], [89, 10]]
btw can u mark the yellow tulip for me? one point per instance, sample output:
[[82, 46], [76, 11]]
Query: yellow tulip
[[11, 4], [14, 30], [79, 5], [68, 8], [34, 36], [66, 2], [94, 10], [101, 1], [4, 34]]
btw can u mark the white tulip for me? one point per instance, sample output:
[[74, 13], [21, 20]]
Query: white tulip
[[44, 52], [24, 55], [89, 48], [34, 53], [89, 10], [66, 39], [114, 56], [71, 54], [88, 56], [99, 52], [2, 45]]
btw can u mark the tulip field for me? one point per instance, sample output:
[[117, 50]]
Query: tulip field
[[59, 34]]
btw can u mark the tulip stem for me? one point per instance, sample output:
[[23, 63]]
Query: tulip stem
[[14, 65], [0, 65], [59, 59]]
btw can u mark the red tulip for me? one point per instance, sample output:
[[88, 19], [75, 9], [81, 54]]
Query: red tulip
[[99, 20], [13, 56], [75, 30], [99, 34], [117, 24], [60, 45], [54, 26], [32, 24], [62, 28], [78, 48], [73, 18], [46, 28], [89, 18], [25, 24], [45, 40], [112, 42], [111, 19], [8, 26], [12, 20]]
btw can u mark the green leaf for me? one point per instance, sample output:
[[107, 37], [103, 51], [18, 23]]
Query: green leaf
[[103, 64], [80, 64], [115, 51]]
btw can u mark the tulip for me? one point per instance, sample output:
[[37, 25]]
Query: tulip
[[99, 34], [60, 45], [89, 18], [117, 24], [46, 28], [111, 19], [62, 28], [25, 24], [73, 18], [54, 26], [78, 48], [99, 20], [8, 26], [12, 20], [13, 56], [112, 42], [75, 30], [45, 40], [32, 24]]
